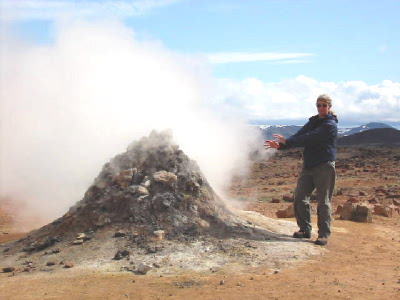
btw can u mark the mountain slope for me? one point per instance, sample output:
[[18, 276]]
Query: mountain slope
[[388, 136]]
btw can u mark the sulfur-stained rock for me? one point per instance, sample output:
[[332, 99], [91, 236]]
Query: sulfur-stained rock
[[165, 177]]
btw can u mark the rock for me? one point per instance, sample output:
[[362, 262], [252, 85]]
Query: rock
[[373, 201], [222, 282], [288, 198], [353, 200], [146, 183], [77, 242], [120, 233], [50, 263], [362, 193], [80, 236], [8, 269], [286, 213], [143, 268], [339, 209], [165, 177], [275, 200], [348, 211], [141, 190], [121, 254], [159, 235], [68, 265], [363, 214], [385, 210]]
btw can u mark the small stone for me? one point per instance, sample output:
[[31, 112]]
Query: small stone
[[121, 254], [146, 183], [141, 190], [286, 213], [143, 268], [80, 236], [222, 282], [353, 200], [68, 265], [276, 272], [239, 283], [77, 242], [50, 263], [159, 235], [8, 269], [120, 233]]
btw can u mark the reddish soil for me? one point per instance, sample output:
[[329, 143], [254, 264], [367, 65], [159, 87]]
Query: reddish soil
[[361, 260]]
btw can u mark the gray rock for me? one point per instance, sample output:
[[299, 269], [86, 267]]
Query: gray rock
[[143, 268]]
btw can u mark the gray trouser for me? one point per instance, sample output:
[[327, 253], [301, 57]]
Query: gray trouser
[[321, 177]]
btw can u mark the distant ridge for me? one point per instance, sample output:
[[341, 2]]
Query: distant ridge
[[288, 130], [386, 136], [368, 126]]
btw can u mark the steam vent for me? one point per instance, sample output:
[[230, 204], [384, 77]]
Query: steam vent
[[150, 205]]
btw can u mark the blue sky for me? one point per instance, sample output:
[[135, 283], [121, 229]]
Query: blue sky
[[270, 41]]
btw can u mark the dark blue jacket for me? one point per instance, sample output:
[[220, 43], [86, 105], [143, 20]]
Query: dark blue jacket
[[318, 137]]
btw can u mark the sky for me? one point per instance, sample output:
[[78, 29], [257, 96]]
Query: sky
[[79, 80], [261, 53]]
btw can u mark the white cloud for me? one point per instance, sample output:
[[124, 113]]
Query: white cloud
[[53, 10], [294, 99], [234, 57]]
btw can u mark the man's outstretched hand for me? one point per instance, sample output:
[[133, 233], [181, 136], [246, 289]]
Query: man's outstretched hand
[[274, 143]]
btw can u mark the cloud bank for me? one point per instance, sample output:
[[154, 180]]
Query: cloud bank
[[294, 99], [67, 108]]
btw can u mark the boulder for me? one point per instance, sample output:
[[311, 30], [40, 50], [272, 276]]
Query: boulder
[[363, 213]]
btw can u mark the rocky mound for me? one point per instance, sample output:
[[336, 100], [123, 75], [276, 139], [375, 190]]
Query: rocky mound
[[151, 187]]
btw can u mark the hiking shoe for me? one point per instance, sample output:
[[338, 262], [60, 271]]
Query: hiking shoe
[[321, 241], [302, 234]]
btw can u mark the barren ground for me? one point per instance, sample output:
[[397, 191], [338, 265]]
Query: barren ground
[[361, 260]]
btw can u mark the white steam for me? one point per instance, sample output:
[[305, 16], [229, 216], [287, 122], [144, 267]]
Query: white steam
[[68, 107]]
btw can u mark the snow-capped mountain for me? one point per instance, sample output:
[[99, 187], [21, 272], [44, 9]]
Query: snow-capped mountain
[[288, 130]]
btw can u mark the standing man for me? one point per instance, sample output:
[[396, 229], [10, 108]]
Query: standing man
[[318, 137]]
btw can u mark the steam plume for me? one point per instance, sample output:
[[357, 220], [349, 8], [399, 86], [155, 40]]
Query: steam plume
[[68, 107]]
